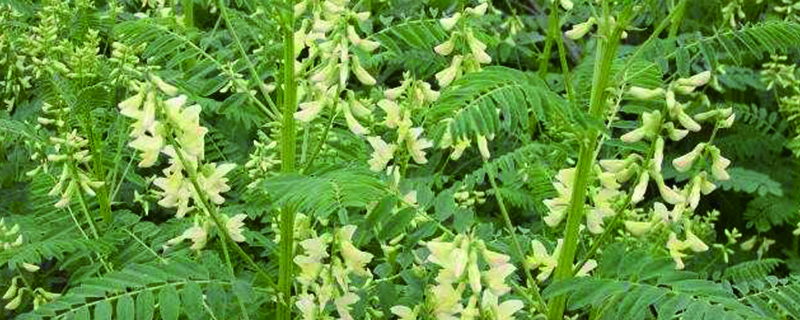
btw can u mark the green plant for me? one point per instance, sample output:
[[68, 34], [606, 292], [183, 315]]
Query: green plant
[[443, 159]]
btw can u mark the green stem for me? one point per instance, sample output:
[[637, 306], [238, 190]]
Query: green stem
[[188, 12], [288, 158], [607, 42], [532, 287], [553, 31], [253, 73]]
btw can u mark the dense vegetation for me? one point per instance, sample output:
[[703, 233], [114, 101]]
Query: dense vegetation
[[399, 159]]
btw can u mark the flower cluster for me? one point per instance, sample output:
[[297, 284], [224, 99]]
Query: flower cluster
[[69, 151], [198, 233], [399, 104], [546, 263], [675, 124], [13, 64], [470, 53], [156, 124], [325, 276], [9, 237], [467, 267], [331, 37], [264, 160]]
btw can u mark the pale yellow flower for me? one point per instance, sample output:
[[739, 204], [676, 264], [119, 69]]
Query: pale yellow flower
[[234, 225], [502, 311], [580, 30], [354, 259], [415, 145], [382, 153], [684, 163], [449, 23], [640, 93]]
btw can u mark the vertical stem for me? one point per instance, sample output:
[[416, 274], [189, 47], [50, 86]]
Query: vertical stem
[[607, 42], [288, 149], [553, 31], [188, 13], [532, 287]]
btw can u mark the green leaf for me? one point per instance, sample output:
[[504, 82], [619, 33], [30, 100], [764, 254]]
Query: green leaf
[[145, 305], [169, 304], [192, 298], [102, 311], [125, 308]]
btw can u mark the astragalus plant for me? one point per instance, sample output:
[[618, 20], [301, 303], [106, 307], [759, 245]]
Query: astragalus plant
[[438, 160]]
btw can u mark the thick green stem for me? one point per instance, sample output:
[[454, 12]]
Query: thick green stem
[[188, 13], [607, 42], [288, 149]]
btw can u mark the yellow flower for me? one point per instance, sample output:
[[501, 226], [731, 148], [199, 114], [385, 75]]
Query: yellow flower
[[446, 47], [449, 23], [354, 259], [308, 111], [213, 181], [544, 261], [382, 153], [478, 49], [446, 76], [483, 147], [675, 247], [641, 187], [479, 10], [495, 278], [362, 73], [392, 109], [30, 267], [580, 30], [405, 313], [197, 234], [640, 93], [150, 146], [684, 163], [416, 144], [502, 311], [234, 225], [307, 307]]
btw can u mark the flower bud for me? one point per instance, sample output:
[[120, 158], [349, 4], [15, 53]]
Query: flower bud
[[580, 30], [446, 47], [168, 89], [684, 163], [567, 4], [641, 187], [645, 94], [446, 76], [483, 147], [718, 164], [15, 303], [658, 154], [449, 23], [477, 48], [478, 11], [30, 267], [638, 228], [362, 73], [694, 243], [12, 290]]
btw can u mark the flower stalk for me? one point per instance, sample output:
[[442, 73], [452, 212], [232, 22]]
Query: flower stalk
[[607, 42], [288, 149]]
